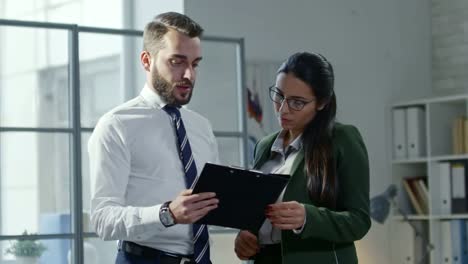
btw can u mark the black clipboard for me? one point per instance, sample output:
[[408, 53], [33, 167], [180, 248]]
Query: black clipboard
[[243, 195]]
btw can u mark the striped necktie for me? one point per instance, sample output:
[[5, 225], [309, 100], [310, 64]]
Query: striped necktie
[[201, 247]]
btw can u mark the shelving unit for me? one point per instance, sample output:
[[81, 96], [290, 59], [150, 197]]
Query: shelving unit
[[439, 115]]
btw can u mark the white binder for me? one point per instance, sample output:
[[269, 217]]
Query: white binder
[[415, 131], [445, 199], [446, 243], [399, 134]]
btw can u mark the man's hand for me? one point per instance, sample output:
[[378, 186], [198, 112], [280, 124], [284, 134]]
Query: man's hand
[[286, 215], [246, 245], [187, 208]]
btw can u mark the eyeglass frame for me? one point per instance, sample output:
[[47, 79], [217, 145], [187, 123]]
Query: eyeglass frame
[[274, 89]]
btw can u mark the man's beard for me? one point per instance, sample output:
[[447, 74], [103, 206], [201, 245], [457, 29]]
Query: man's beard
[[165, 90]]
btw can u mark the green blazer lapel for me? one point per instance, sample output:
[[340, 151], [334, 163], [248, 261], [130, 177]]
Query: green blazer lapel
[[261, 160], [264, 150]]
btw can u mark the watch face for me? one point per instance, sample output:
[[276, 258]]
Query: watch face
[[166, 218]]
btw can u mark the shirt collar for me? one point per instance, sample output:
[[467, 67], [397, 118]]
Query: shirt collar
[[153, 98], [278, 144]]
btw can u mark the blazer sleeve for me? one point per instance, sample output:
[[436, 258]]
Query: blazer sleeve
[[352, 222]]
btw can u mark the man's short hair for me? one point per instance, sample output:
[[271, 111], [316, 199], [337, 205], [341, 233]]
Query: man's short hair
[[156, 29]]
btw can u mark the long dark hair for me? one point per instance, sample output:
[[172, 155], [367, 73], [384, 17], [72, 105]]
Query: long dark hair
[[317, 72]]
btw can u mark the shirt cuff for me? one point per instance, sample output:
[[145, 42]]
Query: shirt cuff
[[299, 231], [150, 216]]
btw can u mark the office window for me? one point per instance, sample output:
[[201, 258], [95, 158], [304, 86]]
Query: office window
[[216, 86], [37, 137], [45, 185], [81, 12], [35, 181]]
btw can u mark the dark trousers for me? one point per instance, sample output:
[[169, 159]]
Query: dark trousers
[[125, 258], [269, 255]]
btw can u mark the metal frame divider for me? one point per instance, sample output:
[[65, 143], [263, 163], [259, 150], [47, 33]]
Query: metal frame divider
[[77, 199], [74, 30], [127, 60], [2, 7], [241, 80]]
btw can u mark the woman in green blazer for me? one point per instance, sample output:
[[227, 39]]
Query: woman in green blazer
[[325, 206]]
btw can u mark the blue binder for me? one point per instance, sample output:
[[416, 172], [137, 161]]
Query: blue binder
[[459, 241]]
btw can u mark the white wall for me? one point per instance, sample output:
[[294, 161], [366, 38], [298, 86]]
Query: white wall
[[450, 46], [380, 50], [411, 51]]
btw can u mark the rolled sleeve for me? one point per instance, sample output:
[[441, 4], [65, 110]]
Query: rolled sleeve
[[109, 156]]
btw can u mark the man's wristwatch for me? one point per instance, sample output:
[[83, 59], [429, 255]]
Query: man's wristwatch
[[165, 215]]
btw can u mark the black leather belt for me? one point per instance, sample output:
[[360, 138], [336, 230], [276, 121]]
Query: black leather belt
[[152, 253]]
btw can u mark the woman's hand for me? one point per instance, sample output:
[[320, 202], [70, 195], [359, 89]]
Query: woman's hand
[[286, 215], [246, 245]]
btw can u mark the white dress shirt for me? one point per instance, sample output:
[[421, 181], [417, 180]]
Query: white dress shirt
[[281, 163], [134, 160]]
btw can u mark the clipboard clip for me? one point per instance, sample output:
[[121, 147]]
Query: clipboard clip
[[257, 172], [240, 168]]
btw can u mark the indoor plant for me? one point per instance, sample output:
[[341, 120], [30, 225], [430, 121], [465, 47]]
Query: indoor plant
[[26, 251]]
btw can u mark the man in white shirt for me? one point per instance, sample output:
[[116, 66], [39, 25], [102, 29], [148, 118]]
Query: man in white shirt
[[146, 153]]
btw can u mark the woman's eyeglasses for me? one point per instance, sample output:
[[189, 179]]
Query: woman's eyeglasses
[[294, 104]]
